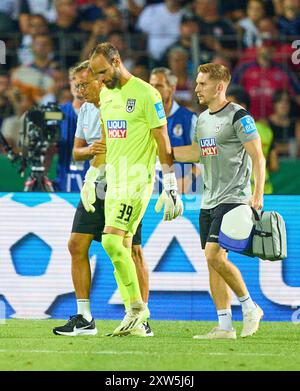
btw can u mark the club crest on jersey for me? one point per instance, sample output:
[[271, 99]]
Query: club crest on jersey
[[117, 128], [130, 105], [208, 146], [178, 130], [219, 128]]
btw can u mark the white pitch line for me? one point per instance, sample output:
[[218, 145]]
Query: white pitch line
[[104, 352], [111, 352]]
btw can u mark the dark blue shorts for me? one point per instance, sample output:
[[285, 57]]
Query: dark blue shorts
[[210, 221]]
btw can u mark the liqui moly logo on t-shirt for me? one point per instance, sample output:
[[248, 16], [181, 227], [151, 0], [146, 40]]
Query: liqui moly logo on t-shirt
[[117, 128], [208, 146]]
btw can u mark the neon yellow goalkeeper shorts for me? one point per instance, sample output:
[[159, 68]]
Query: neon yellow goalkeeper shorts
[[125, 207]]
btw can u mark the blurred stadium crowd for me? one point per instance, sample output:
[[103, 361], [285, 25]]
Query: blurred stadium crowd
[[256, 39]]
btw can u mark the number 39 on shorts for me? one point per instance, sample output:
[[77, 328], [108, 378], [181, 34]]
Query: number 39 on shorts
[[125, 212]]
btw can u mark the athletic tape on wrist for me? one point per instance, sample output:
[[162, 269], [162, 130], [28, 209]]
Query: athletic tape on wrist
[[92, 174], [169, 181]]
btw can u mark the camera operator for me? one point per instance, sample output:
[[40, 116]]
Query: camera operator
[[70, 174], [12, 126], [6, 107]]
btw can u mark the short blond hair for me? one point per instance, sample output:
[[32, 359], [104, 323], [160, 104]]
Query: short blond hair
[[78, 68], [216, 71]]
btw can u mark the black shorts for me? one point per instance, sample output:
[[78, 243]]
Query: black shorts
[[93, 223], [210, 221]]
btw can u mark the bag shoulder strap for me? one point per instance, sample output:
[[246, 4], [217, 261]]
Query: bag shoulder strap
[[256, 215]]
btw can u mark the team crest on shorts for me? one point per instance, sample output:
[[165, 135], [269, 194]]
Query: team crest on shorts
[[130, 105]]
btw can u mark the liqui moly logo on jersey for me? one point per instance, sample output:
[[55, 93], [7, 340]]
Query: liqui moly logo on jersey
[[117, 128], [208, 146]]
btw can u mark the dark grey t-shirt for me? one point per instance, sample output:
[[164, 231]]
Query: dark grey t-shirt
[[227, 165]]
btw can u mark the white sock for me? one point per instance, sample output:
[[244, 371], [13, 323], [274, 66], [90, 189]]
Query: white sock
[[84, 308], [247, 303], [225, 319]]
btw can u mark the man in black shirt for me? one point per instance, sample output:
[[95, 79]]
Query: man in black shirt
[[66, 32], [216, 32]]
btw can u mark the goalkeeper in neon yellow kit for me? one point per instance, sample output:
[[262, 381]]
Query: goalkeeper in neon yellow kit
[[135, 128]]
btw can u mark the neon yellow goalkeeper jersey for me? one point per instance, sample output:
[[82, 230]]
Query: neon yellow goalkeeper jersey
[[128, 115]]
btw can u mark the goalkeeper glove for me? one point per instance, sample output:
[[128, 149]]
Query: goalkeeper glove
[[88, 191], [169, 198]]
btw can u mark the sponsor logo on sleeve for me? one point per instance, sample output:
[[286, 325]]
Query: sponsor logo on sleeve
[[160, 110], [117, 128], [248, 124], [208, 146]]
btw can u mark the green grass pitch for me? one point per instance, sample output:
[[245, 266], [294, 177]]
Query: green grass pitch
[[31, 345]]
